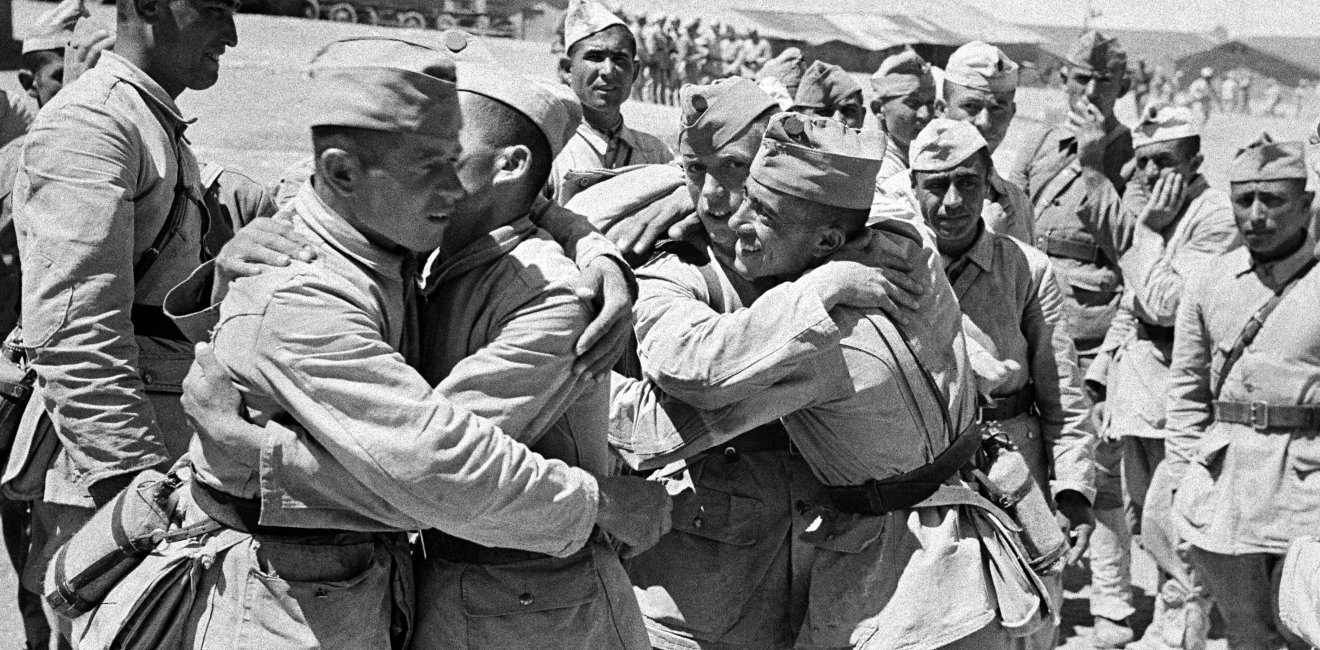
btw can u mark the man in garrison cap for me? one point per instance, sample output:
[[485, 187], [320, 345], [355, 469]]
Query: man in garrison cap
[[903, 104], [600, 64], [1179, 223], [1029, 387], [828, 90], [980, 87], [873, 541], [738, 581], [383, 442], [781, 76], [1243, 416], [1078, 224]]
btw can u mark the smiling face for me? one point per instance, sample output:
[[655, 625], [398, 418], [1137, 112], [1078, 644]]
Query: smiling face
[[717, 182], [779, 235], [190, 36], [1271, 215], [951, 202], [602, 68], [990, 113]]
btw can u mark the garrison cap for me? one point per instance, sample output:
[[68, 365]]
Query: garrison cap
[[587, 17], [384, 84], [553, 108], [714, 114], [825, 85], [1098, 53], [53, 28], [982, 66], [1267, 160], [819, 160], [901, 74], [1162, 122], [787, 67], [943, 145]]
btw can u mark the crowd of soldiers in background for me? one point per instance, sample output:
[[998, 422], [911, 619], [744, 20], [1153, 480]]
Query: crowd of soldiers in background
[[1238, 91]]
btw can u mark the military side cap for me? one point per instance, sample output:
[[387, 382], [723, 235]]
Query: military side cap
[[982, 66], [553, 108], [714, 114], [1098, 53], [787, 67], [825, 85], [1162, 122], [53, 28], [819, 160], [901, 74], [587, 17], [1267, 160], [943, 145], [384, 84]]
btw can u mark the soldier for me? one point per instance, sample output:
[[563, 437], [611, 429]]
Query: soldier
[[980, 87], [106, 183], [650, 52], [1178, 223], [384, 463], [1026, 368], [737, 581], [781, 76], [904, 103], [601, 65], [1079, 225], [1242, 414], [829, 91], [756, 51]]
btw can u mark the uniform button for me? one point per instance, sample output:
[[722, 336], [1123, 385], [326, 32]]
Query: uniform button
[[801, 506], [584, 182], [147, 377], [524, 599], [320, 592], [730, 455], [697, 522]]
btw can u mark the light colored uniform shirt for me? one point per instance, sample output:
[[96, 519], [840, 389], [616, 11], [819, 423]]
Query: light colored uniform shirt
[[590, 149], [1246, 491], [1077, 215], [98, 178], [1012, 307], [315, 343], [1155, 270]]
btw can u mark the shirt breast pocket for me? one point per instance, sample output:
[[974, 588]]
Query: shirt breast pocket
[[718, 516]]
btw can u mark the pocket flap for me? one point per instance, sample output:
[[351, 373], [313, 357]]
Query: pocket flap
[[718, 516], [845, 533], [531, 586], [163, 372]]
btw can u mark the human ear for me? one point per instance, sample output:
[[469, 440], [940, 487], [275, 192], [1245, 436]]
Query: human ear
[[339, 170]]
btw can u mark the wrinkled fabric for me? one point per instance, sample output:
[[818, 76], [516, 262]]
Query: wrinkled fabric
[[316, 343], [1080, 205], [98, 177], [1245, 491], [594, 149], [1012, 309]]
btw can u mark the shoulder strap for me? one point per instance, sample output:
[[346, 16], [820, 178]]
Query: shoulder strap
[[172, 220], [1255, 323], [911, 365]]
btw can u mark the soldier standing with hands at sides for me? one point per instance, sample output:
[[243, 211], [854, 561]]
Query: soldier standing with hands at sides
[[1244, 416], [600, 65], [1080, 226]]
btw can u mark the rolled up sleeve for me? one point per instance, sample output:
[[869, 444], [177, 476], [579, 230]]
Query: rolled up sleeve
[[404, 449]]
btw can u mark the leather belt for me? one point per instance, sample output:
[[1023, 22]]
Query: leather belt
[[244, 515], [1154, 333], [1271, 417], [767, 437], [1071, 249], [461, 551], [878, 497], [150, 320], [1007, 407]]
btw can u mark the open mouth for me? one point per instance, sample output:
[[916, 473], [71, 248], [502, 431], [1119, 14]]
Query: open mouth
[[746, 246]]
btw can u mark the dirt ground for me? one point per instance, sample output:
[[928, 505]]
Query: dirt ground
[[253, 120]]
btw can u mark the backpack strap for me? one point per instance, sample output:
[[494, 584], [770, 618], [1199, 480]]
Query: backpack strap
[[1255, 323]]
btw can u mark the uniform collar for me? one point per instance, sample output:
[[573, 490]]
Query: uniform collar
[[982, 252], [343, 237], [120, 68], [494, 245], [1275, 273]]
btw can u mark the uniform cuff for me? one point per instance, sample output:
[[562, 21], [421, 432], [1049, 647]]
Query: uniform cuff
[[188, 304]]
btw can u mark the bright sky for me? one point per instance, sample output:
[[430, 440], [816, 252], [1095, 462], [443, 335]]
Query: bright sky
[[1240, 17]]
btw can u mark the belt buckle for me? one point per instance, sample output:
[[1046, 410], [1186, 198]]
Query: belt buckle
[[1259, 416]]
